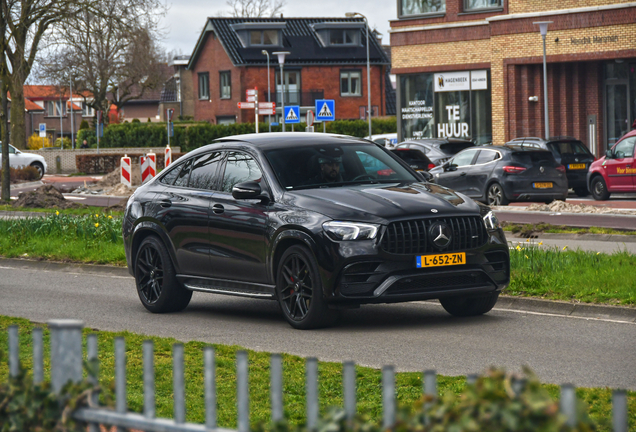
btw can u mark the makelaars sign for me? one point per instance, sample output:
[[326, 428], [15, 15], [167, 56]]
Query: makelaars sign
[[452, 81], [453, 129], [417, 109]]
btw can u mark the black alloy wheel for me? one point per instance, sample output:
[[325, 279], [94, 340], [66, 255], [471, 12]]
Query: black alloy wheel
[[157, 285], [599, 189], [299, 290], [496, 196], [38, 166]]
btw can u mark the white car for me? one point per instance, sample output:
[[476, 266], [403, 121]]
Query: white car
[[19, 159], [387, 140]]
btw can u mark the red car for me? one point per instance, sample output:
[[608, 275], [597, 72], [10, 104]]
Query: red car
[[615, 172]]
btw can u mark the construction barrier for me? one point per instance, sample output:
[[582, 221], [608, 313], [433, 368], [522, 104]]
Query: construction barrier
[[168, 158], [126, 171], [148, 167]]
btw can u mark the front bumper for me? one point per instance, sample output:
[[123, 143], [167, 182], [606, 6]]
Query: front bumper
[[374, 276]]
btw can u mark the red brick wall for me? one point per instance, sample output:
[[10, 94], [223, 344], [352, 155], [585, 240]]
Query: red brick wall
[[214, 59]]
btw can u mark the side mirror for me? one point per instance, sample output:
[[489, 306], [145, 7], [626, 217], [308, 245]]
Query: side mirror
[[248, 190], [609, 154], [427, 176], [450, 167]]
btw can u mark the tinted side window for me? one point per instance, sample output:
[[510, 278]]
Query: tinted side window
[[182, 178], [239, 168], [464, 158], [172, 174], [486, 156], [203, 174]]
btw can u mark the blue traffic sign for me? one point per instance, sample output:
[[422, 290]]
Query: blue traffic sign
[[325, 110], [292, 114]]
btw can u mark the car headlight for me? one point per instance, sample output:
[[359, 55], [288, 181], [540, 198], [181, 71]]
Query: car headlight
[[350, 230], [491, 221]]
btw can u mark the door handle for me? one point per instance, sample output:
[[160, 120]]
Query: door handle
[[463, 174], [166, 203], [218, 208]]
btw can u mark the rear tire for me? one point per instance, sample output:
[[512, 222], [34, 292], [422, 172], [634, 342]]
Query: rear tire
[[469, 306], [582, 192], [599, 189], [496, 196], [155, 277], [299, 290]]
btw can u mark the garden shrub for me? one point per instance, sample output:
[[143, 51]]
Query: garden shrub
[[83, 125], [66, 142], [24, 173]]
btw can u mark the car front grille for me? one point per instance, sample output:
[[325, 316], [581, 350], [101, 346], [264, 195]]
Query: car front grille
[[411, 237]]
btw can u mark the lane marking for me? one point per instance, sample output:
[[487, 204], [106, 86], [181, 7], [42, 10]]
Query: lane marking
[[68, 272]]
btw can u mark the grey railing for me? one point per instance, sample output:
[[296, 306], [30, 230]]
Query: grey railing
[[66, 364]]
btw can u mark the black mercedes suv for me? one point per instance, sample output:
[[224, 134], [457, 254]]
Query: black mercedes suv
[[317, 222]]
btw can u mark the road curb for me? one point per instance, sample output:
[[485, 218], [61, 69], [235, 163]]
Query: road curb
[[580, 310], [66, 267], [505, 209], [618, 238], [523, 304], [25, 185]]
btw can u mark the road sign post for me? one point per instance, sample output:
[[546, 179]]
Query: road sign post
[[42, 132], [98, 130], [325, 111], [169, 114], [310, 121], [291, 114]]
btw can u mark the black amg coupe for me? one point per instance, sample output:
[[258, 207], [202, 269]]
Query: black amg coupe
[[317, 222]]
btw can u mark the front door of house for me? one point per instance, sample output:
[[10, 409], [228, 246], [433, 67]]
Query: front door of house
[[618, 111]]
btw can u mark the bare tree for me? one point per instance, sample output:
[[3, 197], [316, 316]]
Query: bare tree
[[110, 52], [255, 8]]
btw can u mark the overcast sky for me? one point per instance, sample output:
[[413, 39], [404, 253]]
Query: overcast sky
[[186, 18]]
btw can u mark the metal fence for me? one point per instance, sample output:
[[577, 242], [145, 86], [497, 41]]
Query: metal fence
[[67, 360]]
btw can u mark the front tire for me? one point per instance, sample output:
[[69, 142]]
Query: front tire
[[38, 166], [469, 306], [299, 290], [496, 196], [155, 277], [599, 189]]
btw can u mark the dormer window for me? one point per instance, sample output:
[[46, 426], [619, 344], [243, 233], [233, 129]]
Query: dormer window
[[339, 33], [343, 37], [264, 37], [259, 34]]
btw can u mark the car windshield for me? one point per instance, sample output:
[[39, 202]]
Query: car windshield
[[531, 157], [569, 147], [333, 165]]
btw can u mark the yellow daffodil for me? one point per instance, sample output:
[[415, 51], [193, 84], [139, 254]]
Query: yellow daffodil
[[518, 247], [526, 256], [598, 253], [565, 247], [110, 217], [96, 225], [527, 240], [96, 215], [57, 213], [540, 243]]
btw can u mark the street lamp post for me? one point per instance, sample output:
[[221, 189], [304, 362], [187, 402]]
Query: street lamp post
[[281, 61], [72, 118], [269, 91], [352, 15], [543, 29]]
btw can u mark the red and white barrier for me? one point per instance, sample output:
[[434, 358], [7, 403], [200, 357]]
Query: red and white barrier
[[126, 171], [168, 158], [148, 167]]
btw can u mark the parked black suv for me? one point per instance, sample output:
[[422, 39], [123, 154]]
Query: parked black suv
[[319, 222], [569, 152]]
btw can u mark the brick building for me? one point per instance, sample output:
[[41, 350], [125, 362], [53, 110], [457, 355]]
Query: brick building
[[327, 60], [475, 68]]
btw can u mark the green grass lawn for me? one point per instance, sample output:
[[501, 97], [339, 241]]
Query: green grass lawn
[[525, 230], [70, 211], [408, 384]]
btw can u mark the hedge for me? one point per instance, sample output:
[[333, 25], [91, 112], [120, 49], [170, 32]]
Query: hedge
[[105, 163], [192, 136]]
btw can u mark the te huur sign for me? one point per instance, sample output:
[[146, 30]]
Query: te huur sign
[[594, 40]]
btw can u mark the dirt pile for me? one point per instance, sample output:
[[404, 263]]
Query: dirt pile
[[44, 197], [564, 207], [111, 184], [114, 178]]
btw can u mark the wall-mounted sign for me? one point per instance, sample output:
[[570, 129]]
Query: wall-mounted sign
[[593, 39], [479, 80], [417, 109], [452, 81]]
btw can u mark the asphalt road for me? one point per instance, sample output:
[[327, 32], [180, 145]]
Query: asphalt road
[[413, 336]]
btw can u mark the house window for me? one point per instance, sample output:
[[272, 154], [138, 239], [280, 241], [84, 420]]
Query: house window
[[350, 83], [264, 37], [421, 7], [471, 5], [225, 120], [204, 85], [343, 37], [87, 111], [54, 109], [225, 81]]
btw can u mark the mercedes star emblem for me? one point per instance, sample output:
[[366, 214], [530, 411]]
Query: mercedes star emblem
[[542, 169], [440, 234], [434, 210]]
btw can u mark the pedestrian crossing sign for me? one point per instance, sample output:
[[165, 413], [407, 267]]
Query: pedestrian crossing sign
[[325, 110], [292, 114]]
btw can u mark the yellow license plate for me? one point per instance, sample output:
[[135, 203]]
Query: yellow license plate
[[441, 260], [576, 166], [546, 185]]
